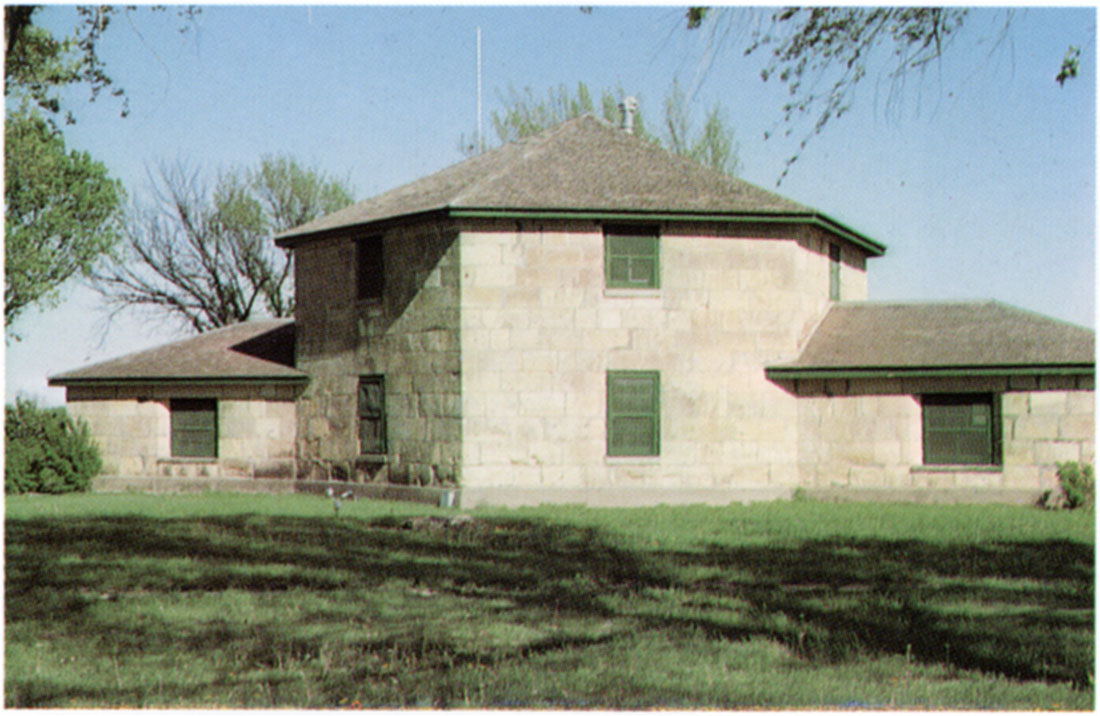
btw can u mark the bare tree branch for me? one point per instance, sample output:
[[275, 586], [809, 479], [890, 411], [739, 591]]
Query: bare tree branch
[[203, 256]]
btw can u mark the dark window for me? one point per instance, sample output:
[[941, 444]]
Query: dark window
[[631, 257], [372, 415], [834, 272], [370, 267], [633, 413], [194, 427], [961, 429]]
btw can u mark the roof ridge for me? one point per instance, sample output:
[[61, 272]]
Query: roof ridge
[[734, 181], [917, 301], [932, 302], [584, 163], [538, 140]]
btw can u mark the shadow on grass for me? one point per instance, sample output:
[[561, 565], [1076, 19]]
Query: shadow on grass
[[1003, 608]]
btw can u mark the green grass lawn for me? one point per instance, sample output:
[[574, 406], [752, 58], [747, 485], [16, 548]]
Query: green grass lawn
[[271, 601]]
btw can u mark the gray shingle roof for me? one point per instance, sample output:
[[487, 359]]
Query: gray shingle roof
[[584, 164], [964, 334], [253, 350]]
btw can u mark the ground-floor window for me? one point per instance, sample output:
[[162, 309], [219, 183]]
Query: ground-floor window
[[372, 415], [633, 413], [194, 427], [961, 429]]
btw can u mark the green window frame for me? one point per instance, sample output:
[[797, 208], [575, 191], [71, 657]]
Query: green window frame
[[632, 257], [370, 267], [834, 272], [961, 429], [633, 413], [194, 428], [372, 415]]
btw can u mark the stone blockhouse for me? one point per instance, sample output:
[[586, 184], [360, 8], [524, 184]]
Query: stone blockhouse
[[581, 316]]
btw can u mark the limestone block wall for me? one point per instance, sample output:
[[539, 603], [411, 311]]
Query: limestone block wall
[[257, 438], [859, 440], [868, 433], [132, 425], [410, 336], [540, 331], [1045, 428], [132, 434]]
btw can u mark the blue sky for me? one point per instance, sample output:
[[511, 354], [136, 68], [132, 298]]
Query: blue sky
[[981, 181]]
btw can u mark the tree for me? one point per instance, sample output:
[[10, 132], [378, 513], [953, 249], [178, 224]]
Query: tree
[[526, 114], [47, 451], [61, 208], [205, 257], [37, 65], [713, 146], [822, 53], [61, 215]]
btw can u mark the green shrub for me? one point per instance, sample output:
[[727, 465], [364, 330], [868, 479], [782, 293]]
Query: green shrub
[[45, 450], [1077, 483]]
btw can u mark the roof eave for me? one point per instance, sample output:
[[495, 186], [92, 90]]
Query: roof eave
[[953, 371], [293, 239], [62, 381], [818, 219]]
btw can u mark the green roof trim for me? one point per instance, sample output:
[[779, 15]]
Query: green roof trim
[[814, 219], [879, 372], [821, 221], [180, 380]]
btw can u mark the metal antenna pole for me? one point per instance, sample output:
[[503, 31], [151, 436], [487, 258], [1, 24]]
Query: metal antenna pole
[[480, 141]]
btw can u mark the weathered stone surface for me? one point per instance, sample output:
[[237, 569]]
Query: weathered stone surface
[[1079, 427], [1047, 403], [1014, 404], [411, 337], [533, 389]]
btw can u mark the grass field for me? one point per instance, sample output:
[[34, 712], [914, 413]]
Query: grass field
[[271, 601]]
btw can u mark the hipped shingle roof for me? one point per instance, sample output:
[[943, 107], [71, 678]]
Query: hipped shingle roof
[[583, 165], [871, 336], [251, 351]]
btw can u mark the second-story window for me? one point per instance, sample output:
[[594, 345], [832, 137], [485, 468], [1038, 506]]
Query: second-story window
[[834, 272], [631, 257], [370, 267]]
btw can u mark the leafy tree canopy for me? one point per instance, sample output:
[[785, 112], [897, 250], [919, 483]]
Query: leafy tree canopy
[[61, 214], [822, 53], [38, 65], [62, 209], [526, 114]]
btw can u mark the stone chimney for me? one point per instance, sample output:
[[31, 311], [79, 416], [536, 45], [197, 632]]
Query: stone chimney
[[628, 107]]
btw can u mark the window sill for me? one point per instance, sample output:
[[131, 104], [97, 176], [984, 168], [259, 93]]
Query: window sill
[[956, 468], [369, 304], [187, 460], [632, 293], [372, 459], [613, 460]]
